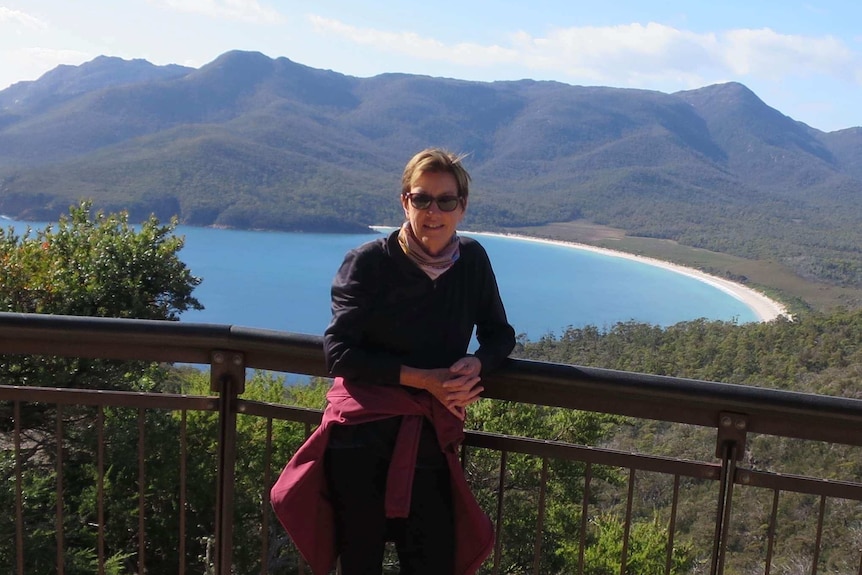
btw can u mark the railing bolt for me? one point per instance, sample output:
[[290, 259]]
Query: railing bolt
[[732, 428], [218, 358], [237, 359], [745, 478]]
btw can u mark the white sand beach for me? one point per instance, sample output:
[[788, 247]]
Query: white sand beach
[[765, 308]]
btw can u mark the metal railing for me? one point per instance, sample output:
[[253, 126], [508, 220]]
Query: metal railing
[[734, 413]]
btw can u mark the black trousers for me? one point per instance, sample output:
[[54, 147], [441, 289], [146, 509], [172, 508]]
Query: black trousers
[[424, 541]]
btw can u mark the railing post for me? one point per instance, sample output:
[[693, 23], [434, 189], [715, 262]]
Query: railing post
[[730, 447], [227, 378]]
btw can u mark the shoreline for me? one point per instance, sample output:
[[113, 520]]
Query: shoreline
[[765, 308]]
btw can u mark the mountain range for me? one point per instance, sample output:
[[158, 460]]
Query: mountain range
[[248, 141]]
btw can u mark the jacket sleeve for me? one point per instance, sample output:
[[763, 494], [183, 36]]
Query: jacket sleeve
[[344, 345], [495, 336]]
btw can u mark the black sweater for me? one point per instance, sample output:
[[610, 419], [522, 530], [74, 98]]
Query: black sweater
[[386, 312]]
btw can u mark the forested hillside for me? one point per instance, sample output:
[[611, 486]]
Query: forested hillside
[[253, 142]]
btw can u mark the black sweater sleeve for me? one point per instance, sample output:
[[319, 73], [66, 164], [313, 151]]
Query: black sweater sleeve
[[495, 336], [353, 291]]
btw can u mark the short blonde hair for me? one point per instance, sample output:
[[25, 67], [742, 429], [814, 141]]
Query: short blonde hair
[[436, 160]]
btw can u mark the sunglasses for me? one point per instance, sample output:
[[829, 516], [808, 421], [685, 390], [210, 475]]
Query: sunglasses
[[422, 201]]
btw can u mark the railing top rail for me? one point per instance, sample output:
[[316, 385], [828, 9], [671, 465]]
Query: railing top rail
[[769, 411], [115, 338]]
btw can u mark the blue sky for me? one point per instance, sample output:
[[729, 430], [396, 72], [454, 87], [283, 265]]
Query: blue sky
[[803, 58]]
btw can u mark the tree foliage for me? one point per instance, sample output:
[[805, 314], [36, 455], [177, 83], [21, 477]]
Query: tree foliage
[[646, 554], [96, 264]]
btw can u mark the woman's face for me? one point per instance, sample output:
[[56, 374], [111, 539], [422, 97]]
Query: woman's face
[[433, 227]]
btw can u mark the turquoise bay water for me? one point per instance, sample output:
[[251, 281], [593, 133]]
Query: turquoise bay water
[[281, 281]]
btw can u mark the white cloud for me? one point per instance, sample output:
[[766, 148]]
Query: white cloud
[[18, 18], [765, 53], [244, 10], [411, 44], [627, 54], [636, 55]]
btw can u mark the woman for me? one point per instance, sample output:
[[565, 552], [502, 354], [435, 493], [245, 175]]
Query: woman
[[403, 312]]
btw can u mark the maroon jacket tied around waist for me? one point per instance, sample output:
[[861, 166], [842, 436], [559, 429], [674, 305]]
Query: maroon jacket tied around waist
[[300, 498]]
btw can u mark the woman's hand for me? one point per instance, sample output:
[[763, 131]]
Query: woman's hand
[[455, 387], [463, 388], [468, 365], [453, 390]]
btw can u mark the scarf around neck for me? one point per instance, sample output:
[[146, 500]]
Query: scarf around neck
[[433, 266]]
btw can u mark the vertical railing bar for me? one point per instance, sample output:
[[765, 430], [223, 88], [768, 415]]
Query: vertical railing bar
[[540, 519], [719, 514], [227, 378], [100, 487], [265, 505], [628, 523], [183, 487], [19, 491], [671, 528], [226, 476], [142, 488], [770, 536], [463, 457], [725, 505], [819, 537], [501, 482], [582, 544], [58, 517], [222, 388]]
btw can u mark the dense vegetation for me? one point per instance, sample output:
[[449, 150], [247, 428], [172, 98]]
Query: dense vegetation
[[251, 142], [781, 354], [96, 264]]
